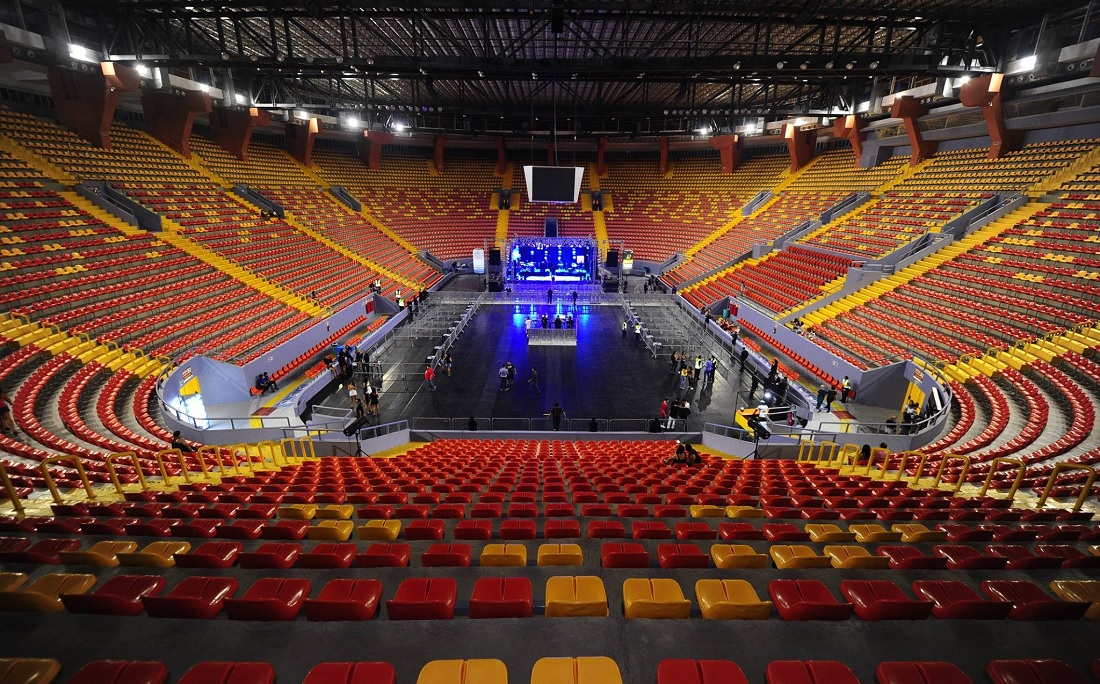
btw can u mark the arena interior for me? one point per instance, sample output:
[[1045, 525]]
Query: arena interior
[[572, 343]]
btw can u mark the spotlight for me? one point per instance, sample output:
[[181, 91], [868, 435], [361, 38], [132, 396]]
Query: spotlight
[[829, 64], [574, 77], [850, 65], [873, 65], [737, 65], [780, 64], [534, 76], [803, 66], [370, 61], [481, 74], [423, 71]]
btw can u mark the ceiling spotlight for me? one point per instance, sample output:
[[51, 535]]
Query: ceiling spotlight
[[574, 77], [873, 65], [534, 76], [780, 64], [641, 75], [850, 65], [370, 61], [481, 74], [737, 65], [225, 56], [829, 64], [280, 57], [803, 66], [423, 71]]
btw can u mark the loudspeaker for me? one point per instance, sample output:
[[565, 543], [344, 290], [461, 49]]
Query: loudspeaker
[[494, 257], [354, 426], [612, 258]]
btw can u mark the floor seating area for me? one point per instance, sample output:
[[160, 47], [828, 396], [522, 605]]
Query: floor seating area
[[458, 538]]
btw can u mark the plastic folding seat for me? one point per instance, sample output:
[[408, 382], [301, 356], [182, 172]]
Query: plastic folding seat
[[449, 511], [963, 533], [446, 555], [473, 530], [203, 528], [606, 529], [215, 672], [784, 532], [45, 551], [1032, 603], [915, 532], [331, 530], [120, 595], [739, 531], [101, 554], [517, 529], [375, 512], [380, 530], [707, 511], [910, 558], [873, 533], [850, 557], [271, 555], [657, 597], [345, 599], [120, 672], [270, 599], [242, 529], [883, 600], [28, 670], [728, 556], [797, 556], [425, 530], [561, 529], [1018, 557], [523, 510], [678, 499], [44, 594], [676, 671], [681, 556], [483, 509], [501, 597], [624, 555], [383, 555], [287, 530], [503, 555], [919, 672], [420, 598], [730, 599], [560, 554], [650, 530], [586, 498], [806, 600], [668, 511], [10, 545], [366, 672], [259, 511], [827, 532], [328, 555], [1085, 591], [474, 671], [954, 600], [808, 672], [1032, 672], [586, 670], [1071, 556], [580, 596], [962, 557], [595, 509], [219, 555], [694, 530], [194, 597], [11, 581]]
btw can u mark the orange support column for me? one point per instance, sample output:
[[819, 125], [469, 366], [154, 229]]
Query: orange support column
[[169, 117], [662, 164], [299, 139], [729, 151], [800, 145], [909, 110], [232, 128], [370, 148], [985, 93], [439, 153], [85, 100], [849, 127]]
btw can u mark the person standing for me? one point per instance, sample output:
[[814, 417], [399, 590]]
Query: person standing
[[709, 367], [511, 374], [830, 397], [821, 392], [549, 295], [735, 333], [448, 363], [574, 299], [637, 331], [503, 375], [556, 414], [624, 328], [429, 377], [845, 389], [755, 383], [744, 357], [698, 368], [533, 381], [672, 359], [355, 400], [527, 327], [664, 412]]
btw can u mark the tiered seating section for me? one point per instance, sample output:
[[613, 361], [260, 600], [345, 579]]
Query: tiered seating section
[[502, 530], [449, 214], [265, 246], [779, 281], [266, 164], [833, 170], [658, 216], [897, 219], [777, 219], [1023, 282], [971, 170], [573, 219]]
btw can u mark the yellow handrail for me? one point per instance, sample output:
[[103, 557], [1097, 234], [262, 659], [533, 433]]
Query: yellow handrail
[[1085, 490], [164, 471], [843, 456], [1021, 468], [110, 461], [204, 449], [805, 450], [243, 448], [10, 489], [290, 449], [44, 467], [920, 469], [303, 442], [904, 455], [962, 475], [268, 445], [831, 447], [871, 461]]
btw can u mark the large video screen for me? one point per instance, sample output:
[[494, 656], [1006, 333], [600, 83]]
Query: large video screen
[[553, 183]]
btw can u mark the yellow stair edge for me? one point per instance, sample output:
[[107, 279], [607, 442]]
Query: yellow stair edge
[[54, 341], [1055, 181], [35, 161], [408, 246], [599, 223]]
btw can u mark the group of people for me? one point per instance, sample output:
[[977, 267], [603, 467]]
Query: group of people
[[635, 325], [264, 382], [685, 454], [365, 403], [826, 394], [546, 322], [673, 410]]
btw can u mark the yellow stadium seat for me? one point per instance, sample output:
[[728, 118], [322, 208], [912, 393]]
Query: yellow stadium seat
[[298, 512], [102, 554], [743, 512], [874, 533], [43, 595], [730, 599], [588, 670], [380, 530], [158, 554], [707, 512], [654, 598], [1085, 591], [915, 532], [504, 555], [331, 530], [479, 671], [797, 556], [560, 554], [855, 557], [28, 670], [580, 596], [828, 532], [728, 556], [336, 512], [11, 581]]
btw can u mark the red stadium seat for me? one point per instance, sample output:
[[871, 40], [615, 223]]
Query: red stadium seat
[[517, 529], [808, 672], [214, 672], [883, 600], [194, 597], [419, 598], [270, 598], [121, 672], [624, 555], [219, 555], [606, 529], [328, 555], [694, 530], [1033, 672], [671, 556], [271, 556], [561, 529], [954, 600], [650, 530], [345, 599], [351, 673], [806, 600], [675, 671], [1032, 603], [383, 555], [921, 672], [501, 597], [446, 555], [120, 595]]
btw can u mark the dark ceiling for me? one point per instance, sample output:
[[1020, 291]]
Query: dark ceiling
[[593, 66]]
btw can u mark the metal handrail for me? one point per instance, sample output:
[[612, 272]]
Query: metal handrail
[[1085, 490], [1021, 470], [110, 461], [44, 467], [962, 474], [13, 495]]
